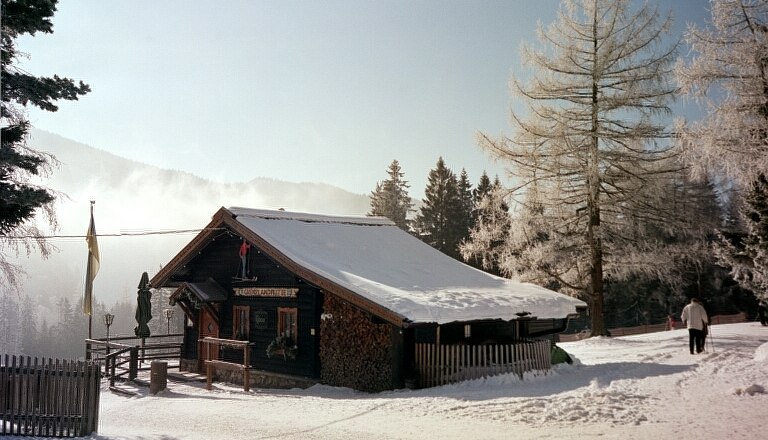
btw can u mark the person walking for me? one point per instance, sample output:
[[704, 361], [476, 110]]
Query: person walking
[[695, 318]]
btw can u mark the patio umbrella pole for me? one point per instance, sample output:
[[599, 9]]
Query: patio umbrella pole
[[143, 312]]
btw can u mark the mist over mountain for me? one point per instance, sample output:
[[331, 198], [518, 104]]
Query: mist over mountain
[[134, 197]]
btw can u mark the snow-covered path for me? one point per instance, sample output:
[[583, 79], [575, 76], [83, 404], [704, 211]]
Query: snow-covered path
[[634, 387]]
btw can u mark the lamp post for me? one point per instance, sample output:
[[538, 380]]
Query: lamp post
[[108, 319], [168, 316]]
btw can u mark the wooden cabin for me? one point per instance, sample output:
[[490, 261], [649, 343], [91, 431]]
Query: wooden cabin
[[350, 301]]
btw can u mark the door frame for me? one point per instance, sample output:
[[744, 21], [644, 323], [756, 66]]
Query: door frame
[[209, 326]]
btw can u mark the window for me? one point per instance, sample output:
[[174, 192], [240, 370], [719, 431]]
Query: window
[[286, 323], [240, 322], [467, 331]]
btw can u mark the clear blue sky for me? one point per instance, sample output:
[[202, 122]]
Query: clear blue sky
[[319, 91]]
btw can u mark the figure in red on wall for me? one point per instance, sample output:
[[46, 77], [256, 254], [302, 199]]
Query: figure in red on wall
[[244, 248], [670, 322]]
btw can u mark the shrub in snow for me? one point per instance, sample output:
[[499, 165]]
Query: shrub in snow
[[751, 390]]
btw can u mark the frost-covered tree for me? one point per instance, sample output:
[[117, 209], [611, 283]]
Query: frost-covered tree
[[439, 220], [390, 198], [484, 245], [590, 162], [728, 74], [20, 200], [745, 249]]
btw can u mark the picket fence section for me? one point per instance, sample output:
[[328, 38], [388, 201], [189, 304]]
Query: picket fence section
[[442, 364], [48, 398]]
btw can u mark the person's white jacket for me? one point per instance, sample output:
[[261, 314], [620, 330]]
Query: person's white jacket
[[694, 316]]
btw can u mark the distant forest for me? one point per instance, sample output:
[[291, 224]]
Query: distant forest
[[64, 337]]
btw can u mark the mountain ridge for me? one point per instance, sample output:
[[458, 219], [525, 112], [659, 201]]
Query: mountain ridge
[[65, 148], [134, 196]]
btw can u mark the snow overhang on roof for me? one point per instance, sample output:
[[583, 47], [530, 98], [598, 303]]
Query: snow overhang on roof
[[207, 291], [388, 267]]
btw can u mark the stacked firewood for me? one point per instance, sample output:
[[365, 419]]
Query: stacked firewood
[[354, 352]]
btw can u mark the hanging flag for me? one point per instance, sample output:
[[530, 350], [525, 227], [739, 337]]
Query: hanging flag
[[93, 266]]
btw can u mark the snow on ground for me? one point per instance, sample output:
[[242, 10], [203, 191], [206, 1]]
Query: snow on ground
[[634, 387]]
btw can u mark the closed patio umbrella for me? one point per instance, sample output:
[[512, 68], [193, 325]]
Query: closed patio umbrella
[[143, 308]]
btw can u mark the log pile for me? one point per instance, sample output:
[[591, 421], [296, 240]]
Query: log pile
[[354, 352]]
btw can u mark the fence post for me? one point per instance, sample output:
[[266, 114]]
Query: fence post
[[113, 365], [4, 379], [133, 364], [247, 365], [158, 376]]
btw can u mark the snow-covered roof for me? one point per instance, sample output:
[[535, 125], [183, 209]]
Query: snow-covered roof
[[375, 259]]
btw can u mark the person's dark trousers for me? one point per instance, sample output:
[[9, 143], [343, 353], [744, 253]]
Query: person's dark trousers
[[695, 340]]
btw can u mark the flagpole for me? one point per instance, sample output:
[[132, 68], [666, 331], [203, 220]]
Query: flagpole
[[92, 269], [88, 274]]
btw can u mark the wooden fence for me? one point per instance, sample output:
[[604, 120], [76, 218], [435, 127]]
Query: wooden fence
[[48, 398], [650, 328], [442, 364]]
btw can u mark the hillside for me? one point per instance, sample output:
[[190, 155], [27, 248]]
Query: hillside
[[133, 197]]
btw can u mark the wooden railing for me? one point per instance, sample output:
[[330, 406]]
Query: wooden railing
[[211, 350], [728, 319], [121, 363], [442, 364], [124, 357], [48, 398], [651, 328]]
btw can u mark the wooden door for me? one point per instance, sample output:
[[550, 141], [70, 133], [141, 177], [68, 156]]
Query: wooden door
[[208, 328]]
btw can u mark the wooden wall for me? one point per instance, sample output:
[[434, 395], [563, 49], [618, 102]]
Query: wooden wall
[[307, 302], [489, 332], [220, 260]]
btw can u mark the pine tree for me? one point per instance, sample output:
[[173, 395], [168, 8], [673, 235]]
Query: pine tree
[[483, 189], [590, 148], [10, 324], [20, 200], [440, 215], [29, 333], [44, 342], [465, 222], [390, 198]]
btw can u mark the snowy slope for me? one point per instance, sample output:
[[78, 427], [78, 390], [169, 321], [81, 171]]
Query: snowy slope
[[635, 387]]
